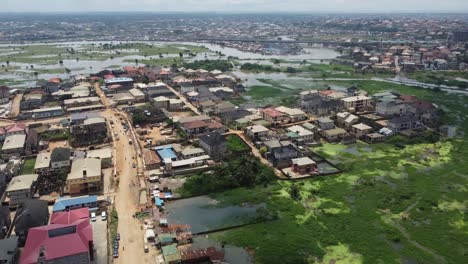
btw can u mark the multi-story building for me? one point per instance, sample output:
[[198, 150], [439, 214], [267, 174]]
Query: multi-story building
[[91, 131], [85, 176]]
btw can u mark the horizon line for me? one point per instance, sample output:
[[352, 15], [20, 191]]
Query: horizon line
[[458, 12]]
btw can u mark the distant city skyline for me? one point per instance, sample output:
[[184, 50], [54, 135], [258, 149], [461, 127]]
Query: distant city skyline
[[351, 6]]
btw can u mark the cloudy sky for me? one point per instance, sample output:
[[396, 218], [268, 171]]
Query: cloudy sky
[[235, 5]]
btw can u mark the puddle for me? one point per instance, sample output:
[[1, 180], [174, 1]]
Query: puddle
[[203, 214]]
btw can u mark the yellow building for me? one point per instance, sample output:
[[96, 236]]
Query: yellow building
[[85, 176]]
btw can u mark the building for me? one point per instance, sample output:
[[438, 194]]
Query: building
[[84, 101], [214, 144], [303, 134], [295, 115], [360, 130], [188, 153], [9, 250], [5, 221], [21, 188], [166, 153], [15, 129], [281, 152], [124, 98], [115, 85], [91, 131], [32, 213], [60, 243], [171, 254], [398, 124], [8, 170], [66, 204], [103, 154], [42, 163], [151, 159], [60, 159], [79, 118], [274, 116], [32, 100], [70, 216], [325, 123], [255, 132], [13, 146], [304, 165], [85, 176], [357, 103], [137, 94], [334, 135], [41, 113], [392, 108]]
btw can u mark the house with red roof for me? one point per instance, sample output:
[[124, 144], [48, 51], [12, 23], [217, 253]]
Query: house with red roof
[[15, 129], [70, 217], [274, 116], [60, 243]]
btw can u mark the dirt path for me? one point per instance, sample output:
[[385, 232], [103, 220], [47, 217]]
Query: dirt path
[[184, 100], [127, 195], [404, 232], [15, 106]]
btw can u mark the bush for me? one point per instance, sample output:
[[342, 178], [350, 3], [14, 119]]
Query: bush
[[238, 172]]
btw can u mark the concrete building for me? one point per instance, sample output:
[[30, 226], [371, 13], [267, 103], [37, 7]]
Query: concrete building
[[357, 103], [137, 94], [21, 188], [77, 102], [85, 176], [9, 250], [360, 130], [60, 159], [42, 165], [214, 144], [13, 146], [41, 113], [294, 114], [91, 131], [304, 165], [103, 154], [302, 133], [255, 132]]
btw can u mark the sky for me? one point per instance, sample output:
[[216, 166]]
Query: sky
[[459, 6]]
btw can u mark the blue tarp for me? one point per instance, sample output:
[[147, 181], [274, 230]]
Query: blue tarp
[[158, 201]]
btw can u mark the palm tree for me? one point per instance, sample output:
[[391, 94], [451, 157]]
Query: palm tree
[[136, 61], [8, 63], [36, 74]]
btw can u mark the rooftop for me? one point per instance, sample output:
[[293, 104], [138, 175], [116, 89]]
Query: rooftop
[[14, 142], [103, 153], [63, 202], [42, 160], [82, 168], [304, 161], [21, 182]]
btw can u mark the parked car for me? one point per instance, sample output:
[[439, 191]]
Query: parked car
[[117, 237], [93, 217], [146, 248], [103, 216]]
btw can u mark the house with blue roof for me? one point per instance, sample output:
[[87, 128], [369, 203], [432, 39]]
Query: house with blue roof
[[166, 152], [66, 204]]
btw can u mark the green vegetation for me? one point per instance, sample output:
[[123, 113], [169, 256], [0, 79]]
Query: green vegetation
[[258, 92], [441, 78], [236, 145], [390, 205], [113, 225], [56, 135], [209, 65], [237, 172], [28, 166]]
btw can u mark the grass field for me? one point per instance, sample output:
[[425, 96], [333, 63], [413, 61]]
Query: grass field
[[390, 205], [28, 166]]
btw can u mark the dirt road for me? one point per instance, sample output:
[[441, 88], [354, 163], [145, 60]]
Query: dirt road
[[126, 197], [15, 106]]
